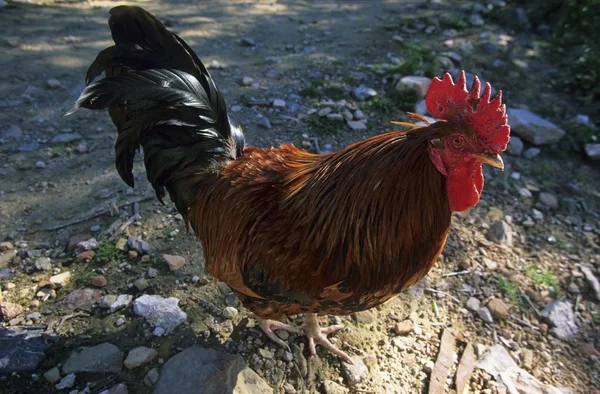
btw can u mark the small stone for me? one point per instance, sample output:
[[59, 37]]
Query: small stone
[[525, 192], [347, 115], [473, 304], [9, 310], [158, 331], [67, 382], [85, 256], [106, 301], [355, 373], [145, 259], [498, 308], [356, 125], [485, 315], [95, 228], [364, 317], [53, 83], [359, 115], [141, 284], [52, 375], [82, 299], [247, 81], [195, 279], [515, 146], [10, 132], [153, 273], [236, 108], [4, 246], [132, 254], [139, 245], [279, 103], [159, 311], [35, 316], [139, 356], [526, 357], [476, 20], [560, 316], [175, 263], [40, 164], [264, 122], [549, 200], [501, 233], [151, 377], [230, 312], [247, 41], [418, 84], [533, 128], [490, 264], [65, 138], [43, 264], [122, 301], [530, 153], [121, 244], [120, 321], [99, 281], [403, 328], [266, 353], [283, 334], [363, 93], [335, 117], [589, 349], [593, 151]]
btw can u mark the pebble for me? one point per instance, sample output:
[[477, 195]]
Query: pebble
[[53, 83], [264, 122], [365, 317], [501, 233], [473, 304], [548, 199], [34, 316], [85, 256], [247, 81], [592, 151], [560, 316], [99, 281], [139, 245], [335, 117], [403, 328], [525, 192], [515, 146], [9, 310], [247, 41], [324, 111], [266, 353], [526, 357], [5, 246], [279, 103], [122, 301], [485, 315], [159, 311], [498, 308], [11, 131], [175, 263], [120, 321], [416, 83], [476, 20], [139, 356], [106, 301], [52, 375], [40, 164], [152, 273], [65, 138], [359, 115], [67, 382], [230, 312], [363, 93], [195, 279], [530, 153], [151, 377], [490, 264], [355, 373], [141, 284], [356, 125]]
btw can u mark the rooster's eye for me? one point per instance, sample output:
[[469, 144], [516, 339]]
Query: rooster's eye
[[457, 141]]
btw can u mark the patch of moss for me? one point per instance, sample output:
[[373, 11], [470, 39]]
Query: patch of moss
[[107, 252], [322, 125], [511, 291], [542, 277]]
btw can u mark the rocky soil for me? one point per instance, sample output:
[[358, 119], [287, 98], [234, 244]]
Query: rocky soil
[[103, 291]]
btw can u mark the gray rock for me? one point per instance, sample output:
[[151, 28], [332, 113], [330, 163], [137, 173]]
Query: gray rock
[[593, 151], [40, 164], [247, 81], [324, 111], [52, 375], [279, 103], [90, 244], [335, 117], [365, 317], [21, 351], [355, 373], [11, 132], [473, 304], [230, 312], [416, 83], [500, 232], [532, 152], [53, 83], [138, 244], [67, 382], [533, 128], [485, 315], [560, 316], [490, 48], [359, 115], [60, 280], [151, 377], [363, 93], [356, 125], [82, 299], [64, 138], [139, 356], [141, 284], [122, 301], [159, 311], [103, 358], [43, 264], [106, 301], [264, 122], [548, 199], [202, 370], [515, 146], [34, 316], [248, 41], [152, 273], [496, 360], [421, 107], [476, 20], [592, 280]]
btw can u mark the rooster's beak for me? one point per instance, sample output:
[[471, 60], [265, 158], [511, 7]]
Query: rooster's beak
[[493, 160]]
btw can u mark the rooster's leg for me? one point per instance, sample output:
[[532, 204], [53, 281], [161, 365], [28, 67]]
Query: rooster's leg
[[318, 336], [268, 326]]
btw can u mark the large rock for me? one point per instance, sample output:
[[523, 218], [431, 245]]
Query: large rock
[[21, 351], [9, 310], [208, 371], [560, 316], [418, 84], [593, 151], [82, 299], [103, 358], [159, 311], [515, 146], [533, 128]]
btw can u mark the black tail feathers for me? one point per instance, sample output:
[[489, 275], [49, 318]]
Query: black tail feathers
[[160, 96]]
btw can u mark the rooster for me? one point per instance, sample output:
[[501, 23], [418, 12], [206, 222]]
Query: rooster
[[292, 232]]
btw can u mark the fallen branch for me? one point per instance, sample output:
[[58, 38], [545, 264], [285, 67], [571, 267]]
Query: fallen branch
[[71, 316], [91, 214], [531, 304], [465, 272]]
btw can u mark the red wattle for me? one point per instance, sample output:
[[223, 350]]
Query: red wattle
[[464, 186]]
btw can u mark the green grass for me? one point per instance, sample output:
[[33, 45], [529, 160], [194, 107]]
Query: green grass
[[107, 252], [392, 102], [542, 277], [416, 60], [322, 125], [511, 291], [323, 88]]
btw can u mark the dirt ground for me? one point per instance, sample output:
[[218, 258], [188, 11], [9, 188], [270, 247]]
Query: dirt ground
[[306, 53]]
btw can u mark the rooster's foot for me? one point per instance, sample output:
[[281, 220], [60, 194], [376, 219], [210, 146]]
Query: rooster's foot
[[268, 326], [318, 336]]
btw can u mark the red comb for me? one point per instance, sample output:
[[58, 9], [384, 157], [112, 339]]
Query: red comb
[[453, 102]]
